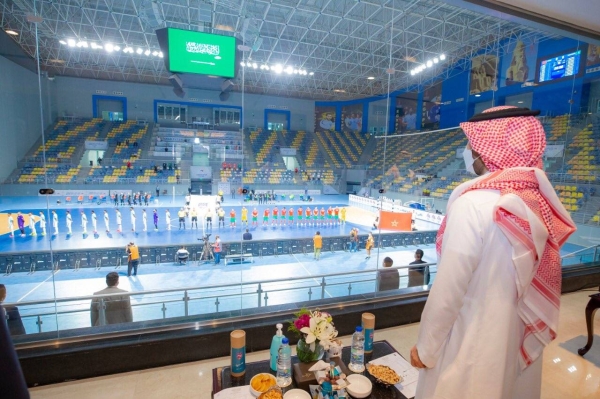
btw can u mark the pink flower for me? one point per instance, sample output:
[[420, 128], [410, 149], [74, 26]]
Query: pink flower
[[302, 321]]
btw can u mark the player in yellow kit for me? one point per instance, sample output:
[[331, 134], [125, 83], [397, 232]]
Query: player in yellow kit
[[244, 216]]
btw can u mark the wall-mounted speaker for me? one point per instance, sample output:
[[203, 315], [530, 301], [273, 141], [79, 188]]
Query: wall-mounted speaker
[[224, 96], [176, 81], [227, 83], [179, 92]]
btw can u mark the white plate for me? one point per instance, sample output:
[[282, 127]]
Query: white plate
[[296, 394], [360, 386]]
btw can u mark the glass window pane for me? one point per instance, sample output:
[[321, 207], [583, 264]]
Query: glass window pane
[[161, 112], [169, 113]]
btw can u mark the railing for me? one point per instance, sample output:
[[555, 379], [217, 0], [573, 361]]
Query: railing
[[210, 300]]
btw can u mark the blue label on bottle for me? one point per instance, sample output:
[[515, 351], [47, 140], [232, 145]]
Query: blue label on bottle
[[238, 360], [369, 333]]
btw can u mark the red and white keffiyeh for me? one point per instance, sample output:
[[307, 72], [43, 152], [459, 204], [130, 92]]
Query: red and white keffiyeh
[[529, 213]]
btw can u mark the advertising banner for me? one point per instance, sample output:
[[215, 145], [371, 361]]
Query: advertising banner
[[96, 145], [200, 172], [287, 152]]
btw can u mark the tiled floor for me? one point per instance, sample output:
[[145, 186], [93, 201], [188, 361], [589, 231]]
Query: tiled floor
[[566, 374]]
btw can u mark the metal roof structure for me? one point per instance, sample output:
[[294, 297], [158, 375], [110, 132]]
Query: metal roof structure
[[342, 42]]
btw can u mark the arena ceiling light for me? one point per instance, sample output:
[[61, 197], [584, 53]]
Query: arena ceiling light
[[109, 47], [427, 64], [11, 32], [277, 68], [71, 43], [371, 78]]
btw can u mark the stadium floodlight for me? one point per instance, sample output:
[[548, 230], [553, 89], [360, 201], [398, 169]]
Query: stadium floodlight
[[436, 60], [71, 43], [160, 54], [371, 77], [139, 51], [11, 32], [442, 57], [277, 68], [243, 63], [128, 50], [289, 70], [117, 48], [155, 53], [62, 42], [147, 52], [311, 74], [197, 140], [266, 67], [108, 47], [254, 65], [429, 64]]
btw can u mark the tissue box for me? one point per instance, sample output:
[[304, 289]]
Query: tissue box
[[303, 378]]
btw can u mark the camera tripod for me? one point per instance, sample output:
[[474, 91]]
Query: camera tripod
[[207, 254]]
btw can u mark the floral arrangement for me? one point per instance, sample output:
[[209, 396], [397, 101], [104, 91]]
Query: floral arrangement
[[316, 332]]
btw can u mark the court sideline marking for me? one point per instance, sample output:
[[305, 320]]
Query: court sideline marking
[[37, 286], [310, 275]]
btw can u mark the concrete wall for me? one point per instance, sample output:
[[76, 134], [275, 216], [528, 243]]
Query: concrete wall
[[73, 96], [20, 124]]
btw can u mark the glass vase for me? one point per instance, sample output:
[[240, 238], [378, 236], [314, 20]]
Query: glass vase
[[309, 352]]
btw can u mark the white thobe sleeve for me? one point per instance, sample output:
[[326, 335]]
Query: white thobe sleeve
[[461, 251]]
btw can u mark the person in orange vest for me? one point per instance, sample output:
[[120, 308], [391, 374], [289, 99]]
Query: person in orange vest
[[232, 218], [307, 213], [266, 217], [329, 215], [315, 214], [283, 216], [322, 216], [300, 213], [291, 216], [275, 215], [317, 244], [336, 215], [254, 217]]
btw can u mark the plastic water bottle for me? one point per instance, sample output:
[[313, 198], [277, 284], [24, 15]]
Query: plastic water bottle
[[357, 352], [284, 364]]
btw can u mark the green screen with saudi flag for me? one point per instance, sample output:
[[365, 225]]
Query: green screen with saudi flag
[[202, 53]]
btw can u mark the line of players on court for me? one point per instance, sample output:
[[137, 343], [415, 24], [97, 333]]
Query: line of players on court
[[277, 217], [301, 217]]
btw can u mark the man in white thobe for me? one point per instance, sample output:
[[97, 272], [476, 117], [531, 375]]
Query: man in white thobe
[[485, 322], [168, 219]]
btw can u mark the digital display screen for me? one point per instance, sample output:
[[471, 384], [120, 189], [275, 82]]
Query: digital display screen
[[562, 66], [201, 53]]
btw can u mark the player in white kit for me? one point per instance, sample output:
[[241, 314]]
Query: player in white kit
[[106, 221], [32, 225], [54, 223], [11, 225], [145, 219], [132, 213], [69, 223], [168, 219], [43, 223], [84, 222], [119, 222], [94, 222]]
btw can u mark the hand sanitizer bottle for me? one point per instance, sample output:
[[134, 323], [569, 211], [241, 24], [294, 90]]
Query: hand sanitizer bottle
[[275, 345]]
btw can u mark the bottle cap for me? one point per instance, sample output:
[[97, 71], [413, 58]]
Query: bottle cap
[[358, 328], [285, 340]]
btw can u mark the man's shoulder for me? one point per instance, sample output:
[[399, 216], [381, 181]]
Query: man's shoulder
[[417, 262], [110, 290]]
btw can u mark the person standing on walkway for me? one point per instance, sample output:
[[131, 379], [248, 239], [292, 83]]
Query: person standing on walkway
[[133, 259], [155, 219], [21, 223], [495, 302], [157, 192], [181, 216], [194, 215], [43, 223], [317, 244], [11, 225], [221, 214], [208, 216], [369, 245], [132, 217]]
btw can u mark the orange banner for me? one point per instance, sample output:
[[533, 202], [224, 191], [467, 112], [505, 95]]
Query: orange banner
[[395, 221]]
